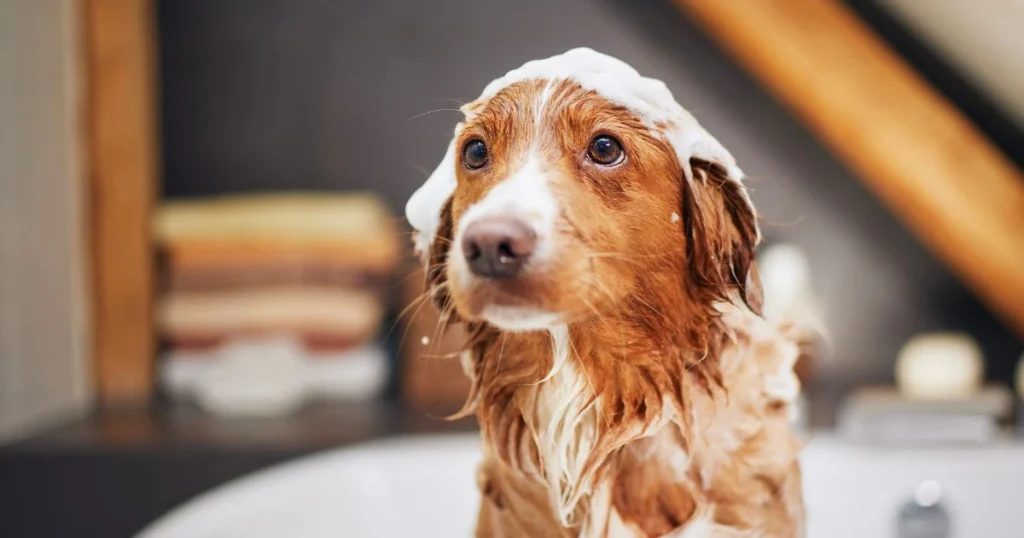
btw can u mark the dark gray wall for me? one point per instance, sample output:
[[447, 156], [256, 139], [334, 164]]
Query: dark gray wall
[[327, 94]]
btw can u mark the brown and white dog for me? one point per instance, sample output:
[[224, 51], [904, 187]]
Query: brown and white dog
[[599, 246]]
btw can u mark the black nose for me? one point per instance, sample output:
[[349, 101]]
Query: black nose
[[497, 247]]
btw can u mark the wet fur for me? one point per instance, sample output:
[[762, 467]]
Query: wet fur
[[663, 409]]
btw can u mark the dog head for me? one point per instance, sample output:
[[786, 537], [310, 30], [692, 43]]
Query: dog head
[[571, 183]]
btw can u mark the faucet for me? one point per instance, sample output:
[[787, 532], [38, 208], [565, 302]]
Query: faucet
[[924, 515]]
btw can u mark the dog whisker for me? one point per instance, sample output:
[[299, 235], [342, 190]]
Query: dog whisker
[[456, 101], [648, 305], [501, 351], [623, 256], [597, 313], [415, 303], [423, 300], [421, 114], [405, 279], [596, 282]]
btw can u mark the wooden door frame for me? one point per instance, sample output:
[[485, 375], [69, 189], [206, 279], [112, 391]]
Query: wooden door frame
[[122, 169]]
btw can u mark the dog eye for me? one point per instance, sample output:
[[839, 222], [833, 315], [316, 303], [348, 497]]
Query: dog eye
[[605, 150], [474, 154]]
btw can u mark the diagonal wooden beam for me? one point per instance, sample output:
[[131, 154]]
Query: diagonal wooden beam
[[912, 148]]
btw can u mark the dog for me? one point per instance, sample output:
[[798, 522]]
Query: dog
[[599, 247]]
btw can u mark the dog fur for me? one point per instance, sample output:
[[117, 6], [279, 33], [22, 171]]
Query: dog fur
[[625, 383]]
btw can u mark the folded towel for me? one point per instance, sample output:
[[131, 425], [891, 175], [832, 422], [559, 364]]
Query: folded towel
[[373, 255], [358, 373], [346, 314], [282, 271], [353, 230], [311, 219], [311, 342]]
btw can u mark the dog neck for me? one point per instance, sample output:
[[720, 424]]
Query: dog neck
[[557, 405], [577, 407]]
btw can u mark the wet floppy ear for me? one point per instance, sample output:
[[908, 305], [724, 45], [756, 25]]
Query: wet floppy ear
[[424, 208], [429, 211], [721, 232], [437, 259]]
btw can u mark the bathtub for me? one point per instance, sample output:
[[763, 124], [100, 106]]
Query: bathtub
[[425, 487]]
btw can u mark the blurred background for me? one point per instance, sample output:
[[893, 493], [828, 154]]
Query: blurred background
[[204, 269]]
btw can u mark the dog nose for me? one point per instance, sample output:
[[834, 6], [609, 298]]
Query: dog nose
[[497, 247]]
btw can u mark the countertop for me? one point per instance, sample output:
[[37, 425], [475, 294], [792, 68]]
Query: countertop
[[112, 472]]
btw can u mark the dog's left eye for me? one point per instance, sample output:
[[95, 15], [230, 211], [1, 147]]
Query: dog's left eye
[[474, 154], [605, 150]]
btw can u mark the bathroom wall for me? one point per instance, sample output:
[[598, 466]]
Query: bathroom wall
[[324, 95], [43, 336]]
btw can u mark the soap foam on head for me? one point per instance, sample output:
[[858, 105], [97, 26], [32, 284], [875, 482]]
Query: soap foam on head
[[611, 78]]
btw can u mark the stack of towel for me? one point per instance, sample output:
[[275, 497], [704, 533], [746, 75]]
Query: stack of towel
[[296, 279]]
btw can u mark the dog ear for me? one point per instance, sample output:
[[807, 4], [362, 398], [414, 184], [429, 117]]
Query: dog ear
[[437, 260], [423, 210], [721, 232]]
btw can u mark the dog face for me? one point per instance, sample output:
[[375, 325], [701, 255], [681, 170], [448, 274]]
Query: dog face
[[572, 185]]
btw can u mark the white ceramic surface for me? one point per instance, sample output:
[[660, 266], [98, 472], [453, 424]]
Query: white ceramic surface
[[425, 487]]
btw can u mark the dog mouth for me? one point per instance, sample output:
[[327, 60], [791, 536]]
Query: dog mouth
[[520, 318], [513, 305], [531, 302]]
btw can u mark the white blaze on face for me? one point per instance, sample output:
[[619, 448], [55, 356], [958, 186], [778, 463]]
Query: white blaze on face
[[525, 196]]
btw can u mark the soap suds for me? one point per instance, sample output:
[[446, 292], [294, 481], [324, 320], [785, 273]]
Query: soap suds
[[648, 98]]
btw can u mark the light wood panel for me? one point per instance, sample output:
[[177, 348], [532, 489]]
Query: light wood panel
[[122, 159], [912, 148], [44, 355]]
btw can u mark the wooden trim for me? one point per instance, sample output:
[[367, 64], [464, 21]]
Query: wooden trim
[[122, 160], [911, 147]]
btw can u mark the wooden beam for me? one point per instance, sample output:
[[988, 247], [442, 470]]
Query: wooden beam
[[122, 159], [912, 148]]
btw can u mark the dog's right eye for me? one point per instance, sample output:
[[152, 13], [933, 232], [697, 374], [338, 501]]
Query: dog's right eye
[[474, 154], [605, 150]]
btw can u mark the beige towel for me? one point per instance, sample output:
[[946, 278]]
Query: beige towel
[[373, 255], [345, 314], [353, 230], [243, 274], [289, 218]]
